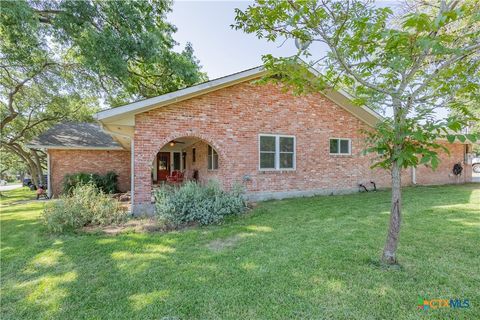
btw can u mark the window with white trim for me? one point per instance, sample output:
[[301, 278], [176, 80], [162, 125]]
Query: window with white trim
[[212, 158], [277, 152], [340, 146]]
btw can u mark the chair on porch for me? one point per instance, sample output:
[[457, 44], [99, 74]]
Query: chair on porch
[[180, 176], [175, 177]]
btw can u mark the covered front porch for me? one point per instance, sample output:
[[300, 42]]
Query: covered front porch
[[184, 159]]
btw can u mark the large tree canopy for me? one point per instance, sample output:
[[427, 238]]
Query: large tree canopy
[[60, 60], [409, 64], [126, 46]]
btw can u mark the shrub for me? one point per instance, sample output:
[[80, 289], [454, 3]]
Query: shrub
[[192, 202], [107, 183], [85, 205], [110, 182]]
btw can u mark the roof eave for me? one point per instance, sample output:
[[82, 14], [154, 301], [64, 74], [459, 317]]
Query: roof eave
[[364, 113], [57, 147], [179, 95]]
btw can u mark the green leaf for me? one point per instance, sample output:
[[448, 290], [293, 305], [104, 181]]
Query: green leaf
[[451, 138], [425, 159], [418, 135], [455, 126], [420, 22], [461, 137], [435, 162], [400, 160], [472, 137]]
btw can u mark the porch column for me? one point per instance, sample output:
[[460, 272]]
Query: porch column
[[132, 173], [141, 178]]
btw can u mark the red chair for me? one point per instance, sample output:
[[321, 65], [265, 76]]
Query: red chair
[[176, 176], [180, 177], [172, 177]]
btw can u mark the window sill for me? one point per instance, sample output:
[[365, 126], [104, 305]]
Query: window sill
[[277, 170], [335, 155]]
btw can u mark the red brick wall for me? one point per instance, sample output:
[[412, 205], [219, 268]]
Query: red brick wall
[[444, 172], [231, 119], [201, 162], [64, 162]]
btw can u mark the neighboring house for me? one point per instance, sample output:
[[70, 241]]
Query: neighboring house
[[82, 147], [229, 129]]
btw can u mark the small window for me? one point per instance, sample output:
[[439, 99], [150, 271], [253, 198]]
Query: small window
[[194, 154], [277, 152], [340, 146], [212, 159], [176, 161], [267, 152]]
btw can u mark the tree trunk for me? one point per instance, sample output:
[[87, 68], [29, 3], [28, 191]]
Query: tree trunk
[[39, 168], [389, 255], [33, 173], [27, 158]]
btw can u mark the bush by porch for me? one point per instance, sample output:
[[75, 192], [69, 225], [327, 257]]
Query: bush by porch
[[193, 202]]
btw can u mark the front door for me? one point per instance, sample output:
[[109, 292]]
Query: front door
[[163, 169]]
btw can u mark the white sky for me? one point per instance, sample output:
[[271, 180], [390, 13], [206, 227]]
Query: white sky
[[221, 49]]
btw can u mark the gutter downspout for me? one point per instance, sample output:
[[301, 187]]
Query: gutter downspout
[[414, 175], [49, 174], [132, 175]]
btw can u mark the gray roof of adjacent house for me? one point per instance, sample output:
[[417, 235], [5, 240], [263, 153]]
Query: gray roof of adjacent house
[[75, 135]]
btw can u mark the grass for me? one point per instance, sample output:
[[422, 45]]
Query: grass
[[312, 258]]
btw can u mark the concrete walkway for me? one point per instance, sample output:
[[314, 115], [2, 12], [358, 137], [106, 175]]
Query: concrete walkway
[[10, 187]]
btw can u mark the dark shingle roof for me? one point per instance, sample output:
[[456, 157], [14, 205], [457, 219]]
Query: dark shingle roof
[[75, 135]]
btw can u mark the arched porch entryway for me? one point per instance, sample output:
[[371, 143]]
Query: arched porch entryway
[[195, 155], [185, 158]]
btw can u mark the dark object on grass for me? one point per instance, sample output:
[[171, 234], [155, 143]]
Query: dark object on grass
[[41, 192], [363, 186], [27, 182], [457, 169], [374, 186]]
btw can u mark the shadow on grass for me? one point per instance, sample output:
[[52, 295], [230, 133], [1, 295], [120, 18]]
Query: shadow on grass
[[299, 258]]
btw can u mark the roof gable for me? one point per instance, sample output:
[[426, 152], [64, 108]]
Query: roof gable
[[179, 95], [119, 114]]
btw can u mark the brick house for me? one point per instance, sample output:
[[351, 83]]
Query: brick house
[[82, 147], [235, 131]]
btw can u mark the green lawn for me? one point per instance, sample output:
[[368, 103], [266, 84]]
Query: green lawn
[[312, 258]]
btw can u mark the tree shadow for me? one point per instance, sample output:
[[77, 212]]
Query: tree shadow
[[290, 255]]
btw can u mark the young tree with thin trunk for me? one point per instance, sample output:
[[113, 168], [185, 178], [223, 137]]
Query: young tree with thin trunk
[[409, 65]]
